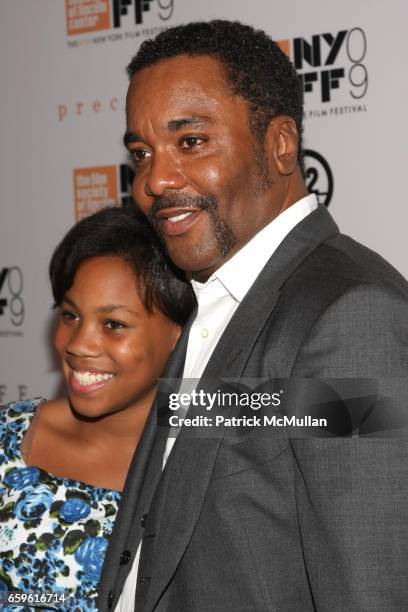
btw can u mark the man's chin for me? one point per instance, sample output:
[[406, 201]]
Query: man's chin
[[196, 267]]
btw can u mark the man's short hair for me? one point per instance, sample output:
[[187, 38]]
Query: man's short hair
[[254, 65]]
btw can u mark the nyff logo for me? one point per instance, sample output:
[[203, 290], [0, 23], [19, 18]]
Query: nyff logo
[[11, 301], [329, 61], [101, 186], [94, 15]]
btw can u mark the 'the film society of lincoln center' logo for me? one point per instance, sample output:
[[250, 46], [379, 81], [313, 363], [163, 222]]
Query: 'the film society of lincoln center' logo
[[332, 68], [111, 17], [11, 301], [101, 186]]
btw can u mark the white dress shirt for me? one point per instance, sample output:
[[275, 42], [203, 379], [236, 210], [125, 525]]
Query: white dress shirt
[[218, 298]]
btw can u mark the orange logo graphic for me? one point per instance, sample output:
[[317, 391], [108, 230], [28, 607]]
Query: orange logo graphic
[[284, 46], [87, 16], [95, 188]]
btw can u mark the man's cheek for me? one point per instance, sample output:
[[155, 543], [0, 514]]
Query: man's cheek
[[141, 200]]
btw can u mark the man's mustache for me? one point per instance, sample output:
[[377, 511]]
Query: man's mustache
[[181, 200]]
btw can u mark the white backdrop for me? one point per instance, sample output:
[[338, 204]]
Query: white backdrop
[[63, 85]]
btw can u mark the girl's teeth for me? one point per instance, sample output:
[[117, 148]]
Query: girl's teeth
[[89, 378], [179, 217]]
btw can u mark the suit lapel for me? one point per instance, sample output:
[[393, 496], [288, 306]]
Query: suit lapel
[[236, 344], [181, 491], [182, 494]]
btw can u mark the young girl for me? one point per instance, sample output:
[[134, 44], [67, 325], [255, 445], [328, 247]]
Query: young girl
[[63, 463]]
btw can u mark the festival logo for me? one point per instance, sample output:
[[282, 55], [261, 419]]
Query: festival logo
[[100, 187], [111, 17], [332, 69], [318, 176], [12, 311]]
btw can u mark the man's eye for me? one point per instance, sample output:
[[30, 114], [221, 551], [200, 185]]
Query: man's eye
[[113, 325], [139, 155], [188, 142]]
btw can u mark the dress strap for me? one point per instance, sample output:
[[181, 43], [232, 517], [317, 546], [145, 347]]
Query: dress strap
[[15, 419]]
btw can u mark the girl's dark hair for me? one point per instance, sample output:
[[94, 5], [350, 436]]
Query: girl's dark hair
[[124, 233]]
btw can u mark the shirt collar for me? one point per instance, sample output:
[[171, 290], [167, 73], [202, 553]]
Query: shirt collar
[[238, 274]]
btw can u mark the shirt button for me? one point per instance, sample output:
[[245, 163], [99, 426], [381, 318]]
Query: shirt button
[[143, 521], [204, 332], [124, 557], [110, 599]]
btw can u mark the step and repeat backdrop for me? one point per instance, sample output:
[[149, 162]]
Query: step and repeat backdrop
[[63, 87]]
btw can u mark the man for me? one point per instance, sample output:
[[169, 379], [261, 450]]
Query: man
[[243, 521]]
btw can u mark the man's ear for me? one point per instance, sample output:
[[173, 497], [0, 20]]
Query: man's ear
[[282, 143]]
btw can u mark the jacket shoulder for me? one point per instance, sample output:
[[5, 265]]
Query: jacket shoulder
[[356, 262]]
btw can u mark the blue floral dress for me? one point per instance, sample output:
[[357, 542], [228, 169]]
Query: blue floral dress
[[53, 531]]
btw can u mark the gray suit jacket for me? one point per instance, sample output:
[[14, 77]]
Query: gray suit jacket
[[257, 523]]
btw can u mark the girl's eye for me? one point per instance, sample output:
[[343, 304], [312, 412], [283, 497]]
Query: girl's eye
[[67, 315], [111, 324]]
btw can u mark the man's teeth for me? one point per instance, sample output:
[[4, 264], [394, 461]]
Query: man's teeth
[[89, 378], [179, 217]]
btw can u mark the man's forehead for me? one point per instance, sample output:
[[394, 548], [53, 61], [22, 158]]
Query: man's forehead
[[179, 108], [182, 75], [173, 125], [180, 91]]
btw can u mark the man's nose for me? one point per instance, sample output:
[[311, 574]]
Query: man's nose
[[165, 173], [84, 342]]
